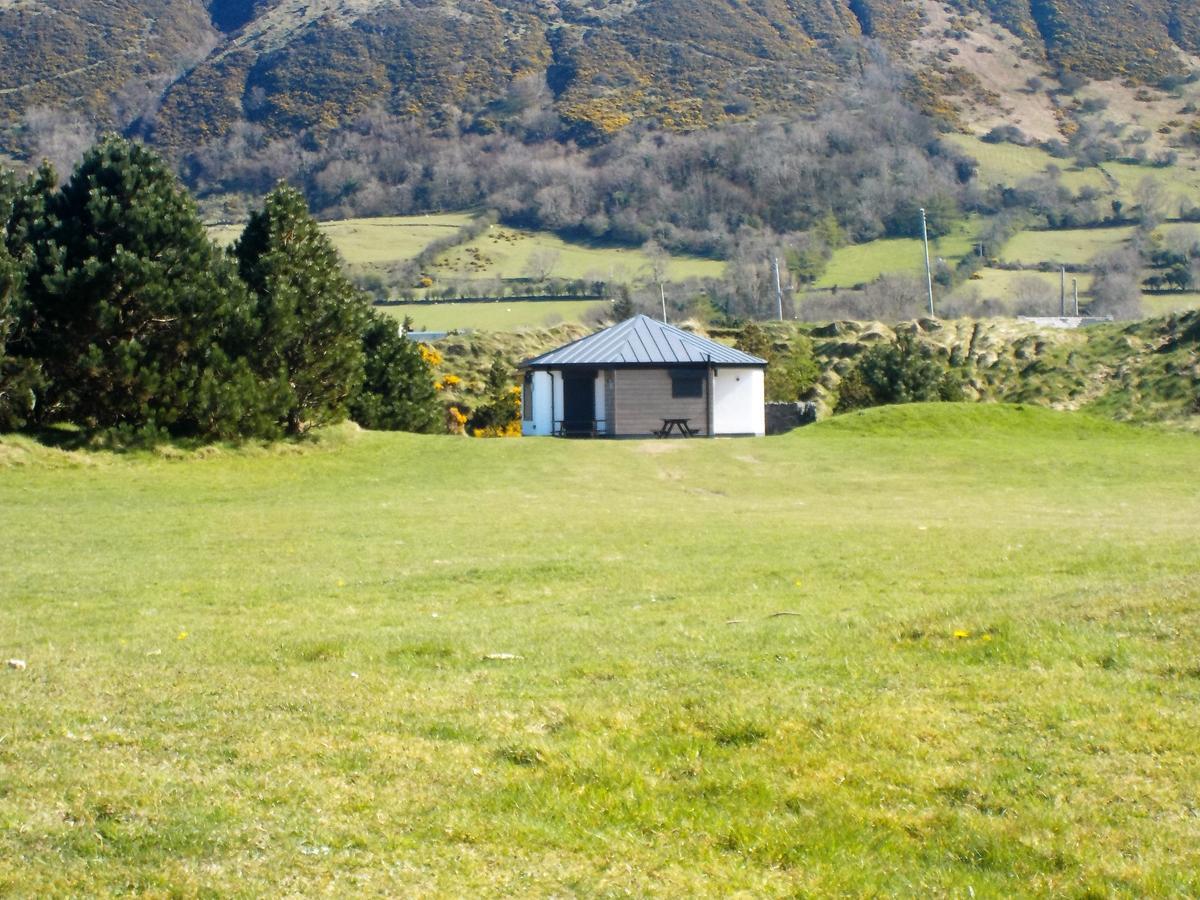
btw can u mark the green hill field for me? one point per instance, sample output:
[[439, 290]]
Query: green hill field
[[939, 650]]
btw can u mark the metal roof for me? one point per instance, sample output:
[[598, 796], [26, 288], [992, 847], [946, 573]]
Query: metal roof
[[642, 341]]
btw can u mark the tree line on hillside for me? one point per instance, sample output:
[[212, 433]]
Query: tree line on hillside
[[867, 161], [120, 316]]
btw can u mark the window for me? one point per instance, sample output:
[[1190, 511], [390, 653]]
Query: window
[[527, 398], [687, 384]]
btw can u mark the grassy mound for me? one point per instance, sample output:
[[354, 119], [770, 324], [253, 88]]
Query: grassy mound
[[970, 421]]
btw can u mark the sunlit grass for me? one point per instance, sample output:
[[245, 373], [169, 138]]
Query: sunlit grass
[[863, 263], [492, 316], [1077, 246], [439, 666], [1009, 285], [1011, 164], [505, 253], [375, 241]]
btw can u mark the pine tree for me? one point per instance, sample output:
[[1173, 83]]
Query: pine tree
[[14, 401], [622, 307], [138, 318], [311, 318], [22, 209], [501, 408], [397, 392]]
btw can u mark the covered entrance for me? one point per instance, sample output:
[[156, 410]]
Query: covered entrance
[[579, 403]]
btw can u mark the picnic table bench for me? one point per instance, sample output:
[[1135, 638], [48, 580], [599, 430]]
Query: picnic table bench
[[576, 428], [680, 425]]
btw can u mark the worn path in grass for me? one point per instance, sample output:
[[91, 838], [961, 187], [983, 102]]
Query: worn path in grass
[[259, 673]]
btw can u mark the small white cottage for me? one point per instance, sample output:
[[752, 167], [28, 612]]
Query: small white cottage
[[643, 378]]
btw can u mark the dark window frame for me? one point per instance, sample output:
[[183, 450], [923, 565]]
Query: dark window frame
[[687, 385]]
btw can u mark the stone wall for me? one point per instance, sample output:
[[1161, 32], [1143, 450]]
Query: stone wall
[[785, 417]]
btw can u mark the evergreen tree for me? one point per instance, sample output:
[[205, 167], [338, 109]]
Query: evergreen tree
[[17, 398], [138, 318], [22, 213], [311, 318], [622, 307], [500, 412], [900, 372], [397, 393]]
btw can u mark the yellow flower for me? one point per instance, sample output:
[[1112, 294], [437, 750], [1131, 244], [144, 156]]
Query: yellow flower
[[182, 636], [960, 634], [987, 637], [432, 357]]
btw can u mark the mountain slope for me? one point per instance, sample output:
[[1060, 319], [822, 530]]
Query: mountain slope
[[191, 70]]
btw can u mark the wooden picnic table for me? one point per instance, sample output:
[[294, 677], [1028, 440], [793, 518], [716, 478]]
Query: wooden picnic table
[[680, 425]]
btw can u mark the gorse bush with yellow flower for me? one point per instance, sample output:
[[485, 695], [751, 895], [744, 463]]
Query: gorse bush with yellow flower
[[500, 413]]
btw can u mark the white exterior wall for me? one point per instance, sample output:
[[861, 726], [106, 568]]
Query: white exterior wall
[[542, 423], [739, 402]]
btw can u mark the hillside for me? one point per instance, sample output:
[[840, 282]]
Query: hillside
[[188, 71]]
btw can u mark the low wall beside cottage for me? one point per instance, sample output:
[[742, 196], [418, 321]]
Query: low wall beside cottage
[[785, 417]]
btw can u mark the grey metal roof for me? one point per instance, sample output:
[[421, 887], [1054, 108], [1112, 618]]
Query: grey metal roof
[[642, 341]]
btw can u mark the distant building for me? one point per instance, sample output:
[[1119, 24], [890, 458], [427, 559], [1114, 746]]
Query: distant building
[[643, 378]]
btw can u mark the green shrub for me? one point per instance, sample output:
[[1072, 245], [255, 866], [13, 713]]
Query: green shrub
[[900, 372]]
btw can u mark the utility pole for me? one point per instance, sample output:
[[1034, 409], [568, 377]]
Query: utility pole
[[778, 290], [663, 293], [1062, 297], [928, 269]]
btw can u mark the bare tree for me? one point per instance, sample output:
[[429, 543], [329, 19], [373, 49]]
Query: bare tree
[[541, 263], [1032, 295], [58, 136], [1151, 201], [1116, 294], [1116, 289], [657, 262]]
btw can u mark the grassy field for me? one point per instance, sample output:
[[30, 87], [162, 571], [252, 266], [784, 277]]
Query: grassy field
[[1162, 304], [1180, 182], [499, 316], [1013, 286], [380, 241], [505, 253], [500, 254], [920, 651], [1010, 164], [863, 263], [1070, 246]]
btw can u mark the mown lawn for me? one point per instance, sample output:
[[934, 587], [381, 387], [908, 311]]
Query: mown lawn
[[929, 650]]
